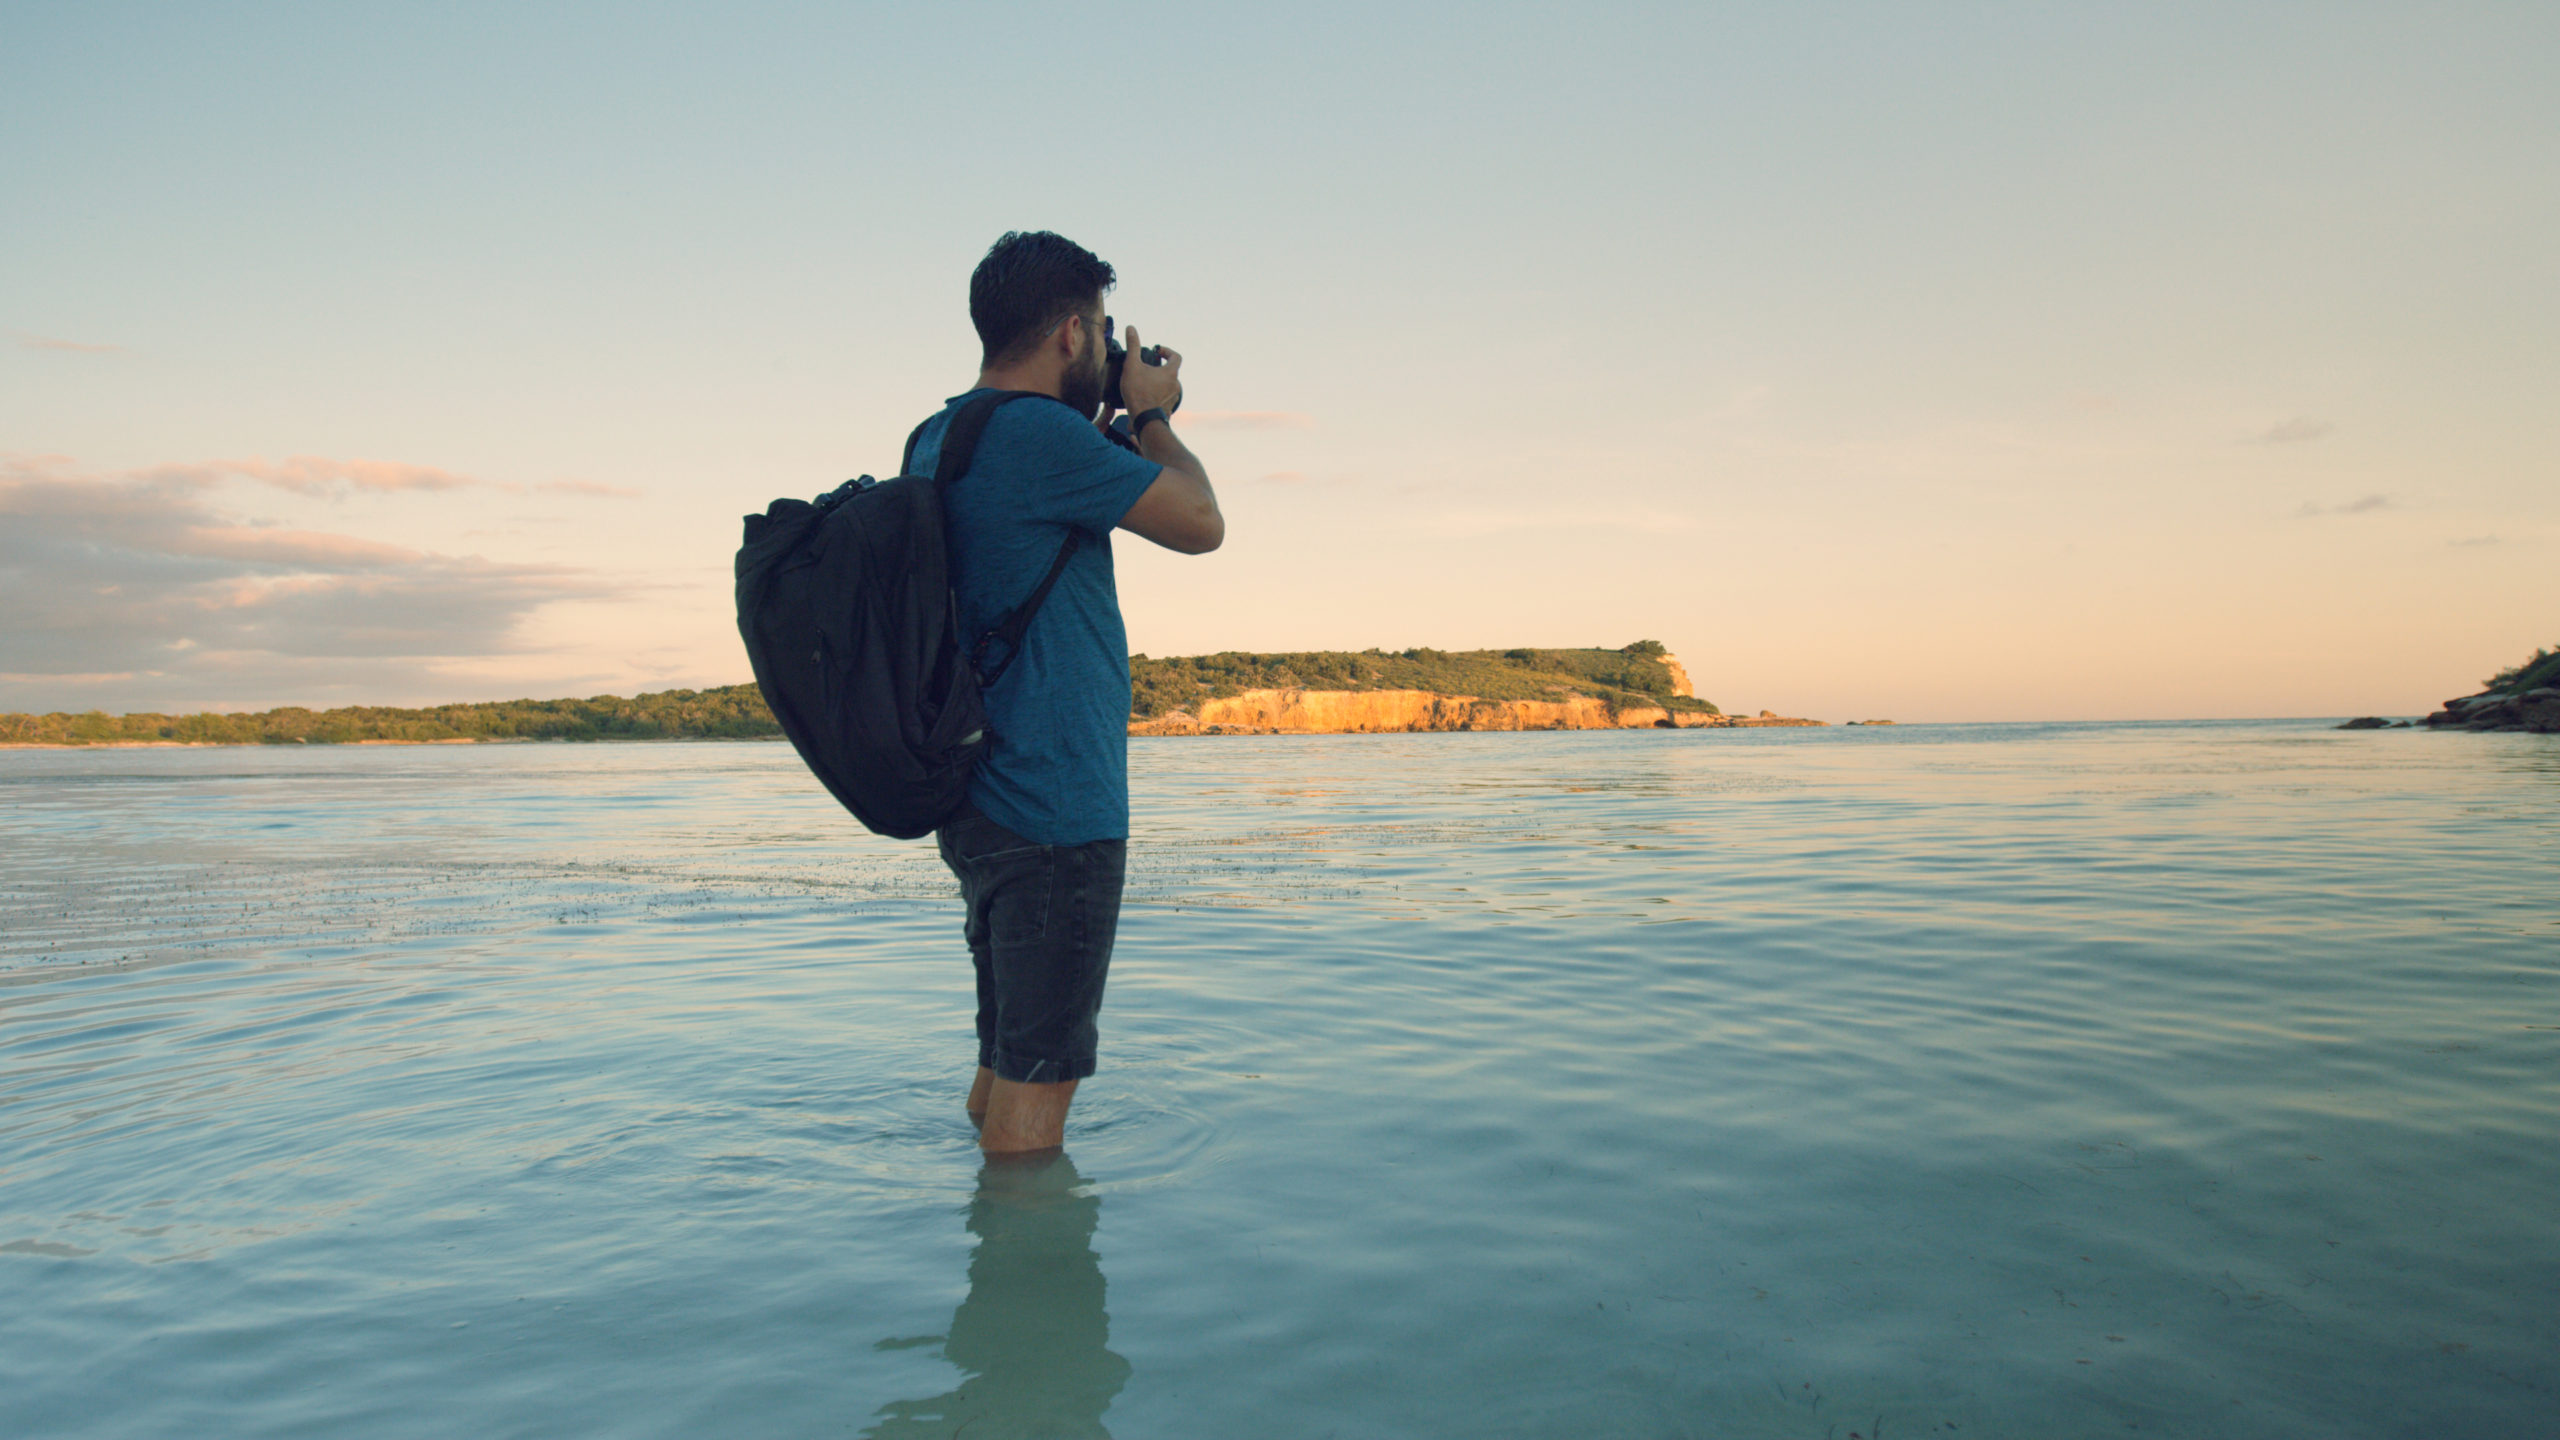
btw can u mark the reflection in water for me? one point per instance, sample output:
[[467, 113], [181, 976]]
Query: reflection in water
[[1032, 1333]]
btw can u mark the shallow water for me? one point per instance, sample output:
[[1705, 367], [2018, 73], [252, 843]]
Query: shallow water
[[1974, 1080]]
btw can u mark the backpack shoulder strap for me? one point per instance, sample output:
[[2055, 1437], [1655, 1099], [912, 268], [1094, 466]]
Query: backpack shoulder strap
[[907, 457], [1017, 622], [959, 449], [960, 437]]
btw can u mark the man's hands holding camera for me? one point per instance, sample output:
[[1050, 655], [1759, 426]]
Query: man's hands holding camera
[[1155, 382], [1138, 379]]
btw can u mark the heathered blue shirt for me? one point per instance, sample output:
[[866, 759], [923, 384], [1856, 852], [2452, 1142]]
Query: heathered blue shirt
[[1058, 772]]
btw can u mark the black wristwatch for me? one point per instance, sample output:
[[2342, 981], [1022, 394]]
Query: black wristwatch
[[1138, 422]]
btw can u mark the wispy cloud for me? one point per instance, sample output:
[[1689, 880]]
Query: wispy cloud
[[140, 573], [1248, 420], [2473, 542], [74, 347], [87, 680], [588, 487], [313, 475], [2361, 505], [2296, 431], [325, 475], [266, 545], [1494, 522]]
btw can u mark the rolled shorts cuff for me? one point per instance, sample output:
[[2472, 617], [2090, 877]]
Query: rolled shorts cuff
[[1029, 1070]]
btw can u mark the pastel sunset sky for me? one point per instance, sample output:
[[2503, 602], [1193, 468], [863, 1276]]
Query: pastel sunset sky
[[1937, 362]]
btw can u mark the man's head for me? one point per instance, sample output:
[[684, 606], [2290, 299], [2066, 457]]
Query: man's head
[[1027, 288]]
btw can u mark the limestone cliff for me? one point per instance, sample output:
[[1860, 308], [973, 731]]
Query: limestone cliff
[[1374, 712], [1372, 692]]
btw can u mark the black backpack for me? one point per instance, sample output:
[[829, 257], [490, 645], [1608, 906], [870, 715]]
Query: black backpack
[[847, 611]]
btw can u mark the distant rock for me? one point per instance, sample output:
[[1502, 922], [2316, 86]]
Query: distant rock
[[2521, 697], [2536, 711], [2366, 722]]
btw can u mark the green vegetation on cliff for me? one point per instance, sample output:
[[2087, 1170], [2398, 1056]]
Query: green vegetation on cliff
[[1636, 675], [2543, 669]]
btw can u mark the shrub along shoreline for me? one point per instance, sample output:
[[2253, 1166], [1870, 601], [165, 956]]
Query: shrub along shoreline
[[1639, 674]]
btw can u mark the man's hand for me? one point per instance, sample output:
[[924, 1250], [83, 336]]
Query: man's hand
[[1143, 387], [1179, 511]]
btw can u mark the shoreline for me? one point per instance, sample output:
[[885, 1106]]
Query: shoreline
[[2416, 726], [280, 744]]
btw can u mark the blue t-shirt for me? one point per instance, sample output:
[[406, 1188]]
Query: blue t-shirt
[[1058, 772]]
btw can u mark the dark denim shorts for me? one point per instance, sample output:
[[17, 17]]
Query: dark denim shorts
[[1041, 922]]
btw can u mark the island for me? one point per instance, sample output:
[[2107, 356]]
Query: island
[[1638, 686], [1641, 686]]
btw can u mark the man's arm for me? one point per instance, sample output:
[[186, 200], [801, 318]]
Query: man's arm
[[1179, 511]]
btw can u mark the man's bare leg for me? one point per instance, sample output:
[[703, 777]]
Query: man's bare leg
[[1023, 1118], [978, 1089]]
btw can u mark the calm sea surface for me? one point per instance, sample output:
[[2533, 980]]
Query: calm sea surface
[[1966, 1080]]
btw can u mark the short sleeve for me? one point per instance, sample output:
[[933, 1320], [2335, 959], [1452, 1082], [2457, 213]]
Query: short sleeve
[[1085, 480]]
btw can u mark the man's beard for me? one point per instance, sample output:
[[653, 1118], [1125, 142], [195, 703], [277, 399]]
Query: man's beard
[[1082, 390]]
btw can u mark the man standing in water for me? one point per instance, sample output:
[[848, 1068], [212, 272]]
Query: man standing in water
[[1041, 848]]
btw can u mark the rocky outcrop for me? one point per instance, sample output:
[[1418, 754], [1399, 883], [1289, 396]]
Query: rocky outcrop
[[1378, 712], [2535, 710]]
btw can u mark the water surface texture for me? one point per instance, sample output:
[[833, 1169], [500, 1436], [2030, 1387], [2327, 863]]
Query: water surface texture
[[1967, 1080]]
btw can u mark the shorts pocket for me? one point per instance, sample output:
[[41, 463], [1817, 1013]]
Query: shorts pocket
[[1020, 887]]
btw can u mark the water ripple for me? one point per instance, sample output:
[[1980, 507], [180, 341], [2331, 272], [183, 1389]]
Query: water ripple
[[2032, 1080]]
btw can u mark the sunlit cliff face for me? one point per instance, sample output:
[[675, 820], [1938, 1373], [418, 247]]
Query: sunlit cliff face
[[1383, 712]]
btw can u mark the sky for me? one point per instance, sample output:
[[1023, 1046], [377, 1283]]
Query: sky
[[1950, 362]]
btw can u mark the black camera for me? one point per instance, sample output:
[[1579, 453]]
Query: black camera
[[1114, 354]]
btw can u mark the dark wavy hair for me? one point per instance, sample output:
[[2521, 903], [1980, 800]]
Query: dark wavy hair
[[1027, 284]]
